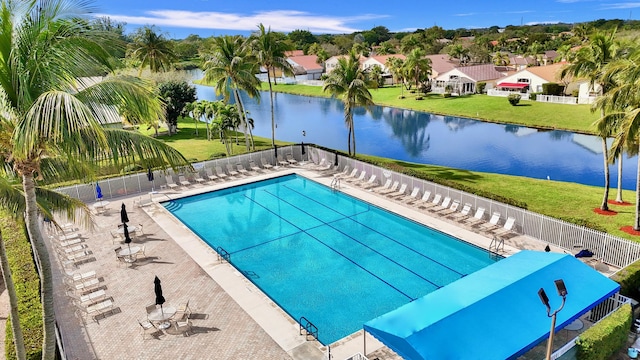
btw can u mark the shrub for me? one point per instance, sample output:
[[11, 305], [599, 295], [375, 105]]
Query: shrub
[[27, 287], [629, 280], [401, 97], [480, 87], [217, 155], [552, 89], [604, 339], [532, 96], [514, 99], [575, 92], [446, 95], [419, 98]]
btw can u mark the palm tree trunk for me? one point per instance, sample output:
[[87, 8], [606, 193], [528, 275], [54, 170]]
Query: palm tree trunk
[[605, 154], [236, 94], [636, 225], [18, 338], [619, 195], [273, 116], [42, 259]]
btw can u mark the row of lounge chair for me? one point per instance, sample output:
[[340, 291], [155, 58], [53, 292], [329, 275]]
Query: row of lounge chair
[[84, 288], [447, 207], [217, 173]]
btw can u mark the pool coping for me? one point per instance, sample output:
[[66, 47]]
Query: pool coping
[[283, 329]]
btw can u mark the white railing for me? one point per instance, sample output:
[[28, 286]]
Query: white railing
[[613, 250], [505, 93], [357, 356], [569, 100]]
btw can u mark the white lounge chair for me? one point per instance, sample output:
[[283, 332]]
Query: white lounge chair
[[254, 167], [170, 183], [221, 174], [183, 181], [386, 185], [429, 204], [464, 213], [412, 197], [323, 165], [444, 205], [393, 188], [423, 200], [477, 217], [358, 179], [231, 171], [453, 208], [401, 192], [351, 176], [492, 224], [291, 160], [242, 170], [198, 178], [265, 164], [371, 183], [281, 161], [210, 175], [506, 228]]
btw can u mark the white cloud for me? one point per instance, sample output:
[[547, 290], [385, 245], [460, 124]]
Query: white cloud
[[465, 14], [279, 20], [531, 23], [626, 5]]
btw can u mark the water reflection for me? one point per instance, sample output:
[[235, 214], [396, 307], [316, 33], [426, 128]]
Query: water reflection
[[435, 139]]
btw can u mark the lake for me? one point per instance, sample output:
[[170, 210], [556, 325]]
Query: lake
[[435, 139]]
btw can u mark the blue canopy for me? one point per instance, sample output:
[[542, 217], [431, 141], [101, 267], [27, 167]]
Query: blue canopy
[[494, 313]]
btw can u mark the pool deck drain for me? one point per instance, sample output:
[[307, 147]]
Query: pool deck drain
[[231, 306]]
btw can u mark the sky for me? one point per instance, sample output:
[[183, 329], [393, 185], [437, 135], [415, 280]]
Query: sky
[[180, 18]]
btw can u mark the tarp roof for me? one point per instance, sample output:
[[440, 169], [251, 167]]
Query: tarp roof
[[494, 313]]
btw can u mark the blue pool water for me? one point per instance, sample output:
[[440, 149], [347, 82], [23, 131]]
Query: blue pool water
[[324, 255]]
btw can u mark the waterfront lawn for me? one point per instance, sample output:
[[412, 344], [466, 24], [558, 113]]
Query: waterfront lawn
[[198, 148], [552, 198], [487, 108]]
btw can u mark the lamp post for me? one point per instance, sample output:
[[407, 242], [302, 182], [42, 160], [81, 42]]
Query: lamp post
[[562, 291]]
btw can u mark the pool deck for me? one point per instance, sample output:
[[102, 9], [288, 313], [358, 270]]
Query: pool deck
[[232, 318]]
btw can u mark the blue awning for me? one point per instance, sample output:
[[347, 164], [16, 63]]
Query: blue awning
[[494, 313]]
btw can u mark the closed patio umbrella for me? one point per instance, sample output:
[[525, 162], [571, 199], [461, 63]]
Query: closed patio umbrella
[[150, 178], [124, 218], [158, 290], [302, 146], [98, 191], [335, 163], [127, 238], [275, 154]]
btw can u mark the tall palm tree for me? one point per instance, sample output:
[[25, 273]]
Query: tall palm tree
[[590, 62], [53, 113], [500, 59], [418, 66], [269, 51], [152, 49], [622, 104], [395, 66], [349, 81], [232, 68]]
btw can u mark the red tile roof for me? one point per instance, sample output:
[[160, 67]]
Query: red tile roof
[[440, 63], [481, 72], [308, 62]]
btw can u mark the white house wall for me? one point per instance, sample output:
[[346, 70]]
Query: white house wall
[[535, 81]]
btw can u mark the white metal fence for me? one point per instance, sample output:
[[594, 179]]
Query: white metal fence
[[504, 93], [612, 249]]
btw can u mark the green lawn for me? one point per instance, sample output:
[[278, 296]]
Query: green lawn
[[577, 118]]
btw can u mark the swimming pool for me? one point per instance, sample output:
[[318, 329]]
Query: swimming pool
[[324, 255]]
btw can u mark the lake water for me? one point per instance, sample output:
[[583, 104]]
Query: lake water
[[440, 140]]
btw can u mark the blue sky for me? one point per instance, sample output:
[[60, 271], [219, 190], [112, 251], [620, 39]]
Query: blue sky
[[213, 17]]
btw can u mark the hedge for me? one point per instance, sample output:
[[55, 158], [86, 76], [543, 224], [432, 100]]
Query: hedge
[[607, 337], [629, 280], [27, 284]]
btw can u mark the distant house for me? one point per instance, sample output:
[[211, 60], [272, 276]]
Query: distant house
[[463, 80], [332, 62], [381, 61], [305, 67], [531, 78], [520, 62]]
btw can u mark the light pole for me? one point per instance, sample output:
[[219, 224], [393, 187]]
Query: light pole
[[562, 291]]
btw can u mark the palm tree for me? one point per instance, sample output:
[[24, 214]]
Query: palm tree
[[590, 62], [232, 68], [152, 49], [349, 81], [418, 66], [269, 51], [50, 113], [622, 103], [395, 66], [501, 59]]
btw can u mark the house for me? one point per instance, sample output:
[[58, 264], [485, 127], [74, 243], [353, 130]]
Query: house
[[381, 61], [531, 78], [520, 62], [463, 80], [332, 62], [441, 63], [305, 67]]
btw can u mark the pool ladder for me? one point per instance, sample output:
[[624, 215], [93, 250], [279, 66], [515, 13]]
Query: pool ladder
[[223, 254], [309, 328], [497, 243], [335, 183]]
